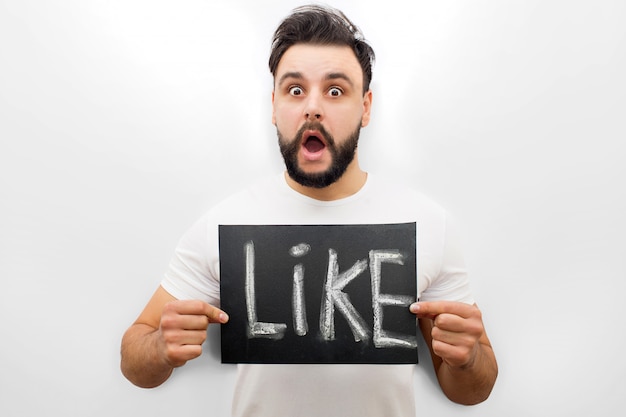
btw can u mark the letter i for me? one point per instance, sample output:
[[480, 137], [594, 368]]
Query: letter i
[[300, 324]]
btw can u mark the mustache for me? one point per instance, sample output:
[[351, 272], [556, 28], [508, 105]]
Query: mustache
[[315, 126]]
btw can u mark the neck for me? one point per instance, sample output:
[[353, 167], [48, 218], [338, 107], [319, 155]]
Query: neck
[[349, 184]]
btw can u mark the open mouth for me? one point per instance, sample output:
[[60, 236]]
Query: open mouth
[[313, 144]]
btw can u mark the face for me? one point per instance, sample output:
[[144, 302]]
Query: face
[[318, 109]]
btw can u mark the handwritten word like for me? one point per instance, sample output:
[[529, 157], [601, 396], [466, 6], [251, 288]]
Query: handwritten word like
[[334, 298]]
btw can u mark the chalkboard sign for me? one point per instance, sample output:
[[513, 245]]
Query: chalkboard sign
[[318, 293]]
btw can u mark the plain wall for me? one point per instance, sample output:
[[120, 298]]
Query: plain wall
[[121, 122]]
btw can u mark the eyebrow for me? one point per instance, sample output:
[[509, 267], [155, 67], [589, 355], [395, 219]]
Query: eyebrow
[[294, 74], [330, 76], [339, 76]]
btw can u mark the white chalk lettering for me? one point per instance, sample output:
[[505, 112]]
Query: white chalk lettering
[[300, 250], [383, 338], [334, 297], [300, 324], [255, 327]]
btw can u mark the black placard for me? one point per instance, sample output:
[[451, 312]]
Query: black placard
[[318, 293]]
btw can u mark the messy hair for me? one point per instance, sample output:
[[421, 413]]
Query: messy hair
[[320, 25]]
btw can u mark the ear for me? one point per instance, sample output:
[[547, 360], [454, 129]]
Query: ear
[[273, 110], [367, 108]]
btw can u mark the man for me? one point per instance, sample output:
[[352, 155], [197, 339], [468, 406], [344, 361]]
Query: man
[[321, 99]]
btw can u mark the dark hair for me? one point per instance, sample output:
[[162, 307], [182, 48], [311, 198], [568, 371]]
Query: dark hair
[[314, 24]]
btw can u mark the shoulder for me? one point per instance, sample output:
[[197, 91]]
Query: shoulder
[[405, 199], [243, 203]]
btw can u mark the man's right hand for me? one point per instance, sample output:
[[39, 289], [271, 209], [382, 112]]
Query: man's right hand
[[183, 329], [167, 333]]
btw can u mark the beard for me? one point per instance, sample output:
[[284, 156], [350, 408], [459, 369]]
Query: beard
[[342, 155]]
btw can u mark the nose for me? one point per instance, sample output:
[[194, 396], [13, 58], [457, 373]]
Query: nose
[[313, 108]]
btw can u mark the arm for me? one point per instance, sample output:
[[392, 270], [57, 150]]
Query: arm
[[166, 335], [463, 359]]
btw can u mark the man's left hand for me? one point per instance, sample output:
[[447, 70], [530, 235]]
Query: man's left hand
[[457, 330]]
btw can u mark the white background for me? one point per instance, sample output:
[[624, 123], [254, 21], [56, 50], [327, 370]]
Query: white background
[[121, 122]]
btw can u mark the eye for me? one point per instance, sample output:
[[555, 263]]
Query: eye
[[335, 92], [295, 90]]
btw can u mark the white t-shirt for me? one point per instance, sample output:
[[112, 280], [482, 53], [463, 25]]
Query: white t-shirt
[[323, 390]]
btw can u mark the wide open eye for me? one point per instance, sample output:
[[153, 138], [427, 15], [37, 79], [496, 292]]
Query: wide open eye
[[295, 90], [335, 92]]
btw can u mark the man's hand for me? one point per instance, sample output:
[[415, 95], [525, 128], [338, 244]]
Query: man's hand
[[183, 329], [464, 361], [167, 333], [456, 332]]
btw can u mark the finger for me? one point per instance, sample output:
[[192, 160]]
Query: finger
[[452, 355], [178, 355], [431, 309], [214, 314], [186, 337], [452, 338], [196, 307], [450, 322], [195, 322], [172, 321]]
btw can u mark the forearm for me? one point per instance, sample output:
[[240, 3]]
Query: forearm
[[473, 383], [141, 363]]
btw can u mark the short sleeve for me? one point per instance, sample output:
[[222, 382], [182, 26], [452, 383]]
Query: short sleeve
[[192, 271], [452, 281]]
